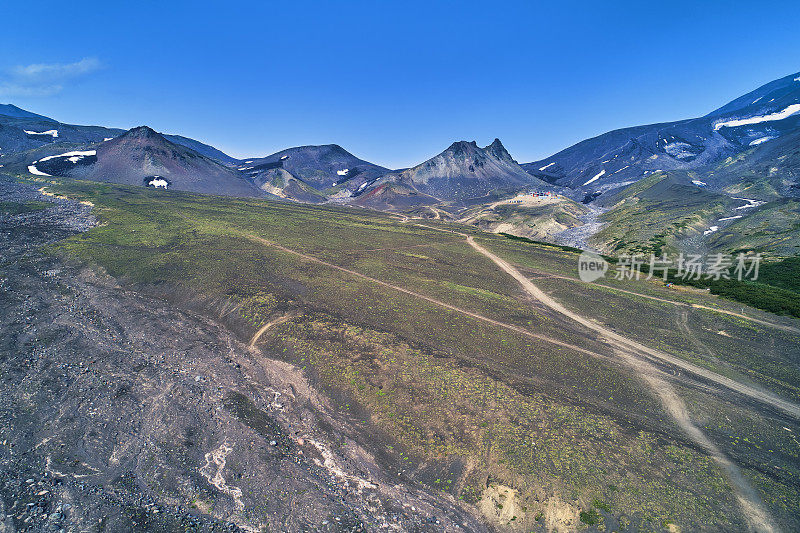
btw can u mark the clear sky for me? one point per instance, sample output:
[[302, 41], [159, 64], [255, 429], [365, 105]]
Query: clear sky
[[393, 82]]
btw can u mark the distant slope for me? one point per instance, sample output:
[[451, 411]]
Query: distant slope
[[202, 148], [22, 130], [13, 111], [766, 171], [659, 214], [143, 157], [466, 173], [621, 156], [525, 216], [321, 167]]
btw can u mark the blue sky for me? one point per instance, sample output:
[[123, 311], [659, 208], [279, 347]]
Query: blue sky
[[393, 82]]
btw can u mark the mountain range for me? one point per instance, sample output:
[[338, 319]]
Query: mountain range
[[747, 148]]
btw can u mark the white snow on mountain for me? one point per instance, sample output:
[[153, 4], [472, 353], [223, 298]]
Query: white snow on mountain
[[679, 150], [710, 230], [547, 166], [730, 218], [750, 203], [761, 140], [596, 177], [780, 115], [33, 170], [343, 172], [73, 156], [52, 133], [620, 170]]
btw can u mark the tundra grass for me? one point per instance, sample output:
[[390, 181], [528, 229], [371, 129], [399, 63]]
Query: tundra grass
[[728, 345], [553, 422]]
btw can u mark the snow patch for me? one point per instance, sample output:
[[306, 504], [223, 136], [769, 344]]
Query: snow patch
[[729, 218], [780, 115], [547, 166], [33, 170], [711, 230], [620, 170], [699, 183], [158, 182], [106, 139], [343, 172], [679, 150], [73, 156], [52, 133], [761, 140], [284, 157], [596, 177], [750, 203]]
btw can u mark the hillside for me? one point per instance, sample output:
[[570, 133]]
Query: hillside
[[321, 167], [614, 158], [21, 130], [145, 158], [466, 173], [438, 370]]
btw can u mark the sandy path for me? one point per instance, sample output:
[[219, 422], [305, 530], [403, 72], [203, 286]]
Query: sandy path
[[783, 327], [754, 511], [631, 345], [636, 355], [434, 301], [266, 326]]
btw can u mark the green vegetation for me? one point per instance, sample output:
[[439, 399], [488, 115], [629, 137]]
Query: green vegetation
[[767, 293], [435, 386], [590, 517], [536, 220], [784, 274], [773, 230], [19, 208], [653, 214], [541, 243]]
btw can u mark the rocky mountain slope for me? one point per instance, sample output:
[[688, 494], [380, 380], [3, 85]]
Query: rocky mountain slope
[[322, 167], [747, 149], [21, 130], [621, 156], [143, 157], [466, 173]]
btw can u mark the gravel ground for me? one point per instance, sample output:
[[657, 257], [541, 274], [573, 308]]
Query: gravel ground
[[120, 412]]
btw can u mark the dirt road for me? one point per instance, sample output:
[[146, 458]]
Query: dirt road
[[630, 345], [630, 351], [636, 355]]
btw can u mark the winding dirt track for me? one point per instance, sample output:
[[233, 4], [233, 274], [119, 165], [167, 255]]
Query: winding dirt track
[[398, 288], [266, 326], [624, 343], [630, 351], [775, 325], [639, 357]]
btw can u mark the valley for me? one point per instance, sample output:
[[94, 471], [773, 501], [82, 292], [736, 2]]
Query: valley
[[310, 341], [461, 383]]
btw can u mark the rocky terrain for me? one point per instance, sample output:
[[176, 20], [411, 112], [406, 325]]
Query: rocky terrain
[[123, 413]]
